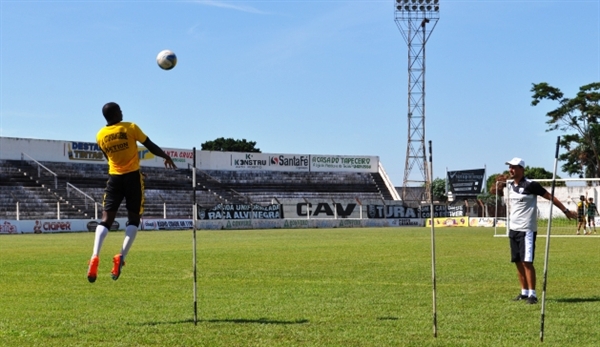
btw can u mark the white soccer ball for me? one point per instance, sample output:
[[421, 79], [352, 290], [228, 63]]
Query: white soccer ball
[[166, 59]]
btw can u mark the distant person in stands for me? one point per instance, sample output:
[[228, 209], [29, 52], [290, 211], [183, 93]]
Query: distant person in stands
[[592, 211], [523, 225], [118, 141], [581, 207]]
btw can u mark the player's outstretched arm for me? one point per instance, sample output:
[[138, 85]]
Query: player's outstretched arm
[[557, 203], [154, 149]]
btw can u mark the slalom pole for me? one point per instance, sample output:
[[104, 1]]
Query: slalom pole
[[431, 214], [195, 220], [543, 313]]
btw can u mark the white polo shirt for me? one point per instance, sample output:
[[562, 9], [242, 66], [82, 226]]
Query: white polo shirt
[[523, 203]]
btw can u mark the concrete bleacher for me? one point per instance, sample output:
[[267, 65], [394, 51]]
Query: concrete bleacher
[[264, 186], [78, 187], [39, 192]]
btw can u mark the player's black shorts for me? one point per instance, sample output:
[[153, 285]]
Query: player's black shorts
[[581, 218], [129, 186], [522, 245]]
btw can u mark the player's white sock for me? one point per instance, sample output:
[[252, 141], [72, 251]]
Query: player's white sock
[[130, 233], [101, 232], [525, 292], [532, 292]]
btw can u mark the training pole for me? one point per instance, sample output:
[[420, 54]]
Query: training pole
[[195, 220], [543, 314], [431, 215]]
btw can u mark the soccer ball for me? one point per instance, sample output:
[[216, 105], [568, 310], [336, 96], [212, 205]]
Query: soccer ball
[[166, 59]]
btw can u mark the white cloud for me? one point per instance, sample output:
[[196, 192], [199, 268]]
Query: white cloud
[[230, 6]]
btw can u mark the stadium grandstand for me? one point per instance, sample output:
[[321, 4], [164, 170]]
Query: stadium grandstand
[[50, 179]]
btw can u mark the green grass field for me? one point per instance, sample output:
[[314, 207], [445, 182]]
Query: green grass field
[[309, 287]]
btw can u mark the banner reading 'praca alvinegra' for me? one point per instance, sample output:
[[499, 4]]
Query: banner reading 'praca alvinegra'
[[241, 211]]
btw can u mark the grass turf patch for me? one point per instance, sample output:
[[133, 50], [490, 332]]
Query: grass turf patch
[[301, 287]]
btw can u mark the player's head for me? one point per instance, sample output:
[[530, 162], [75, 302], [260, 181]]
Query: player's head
[[112, 113], [582, 198], [516, 162], [591, 199], [516, 167]]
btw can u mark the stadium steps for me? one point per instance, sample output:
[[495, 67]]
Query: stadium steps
[[379, 182]]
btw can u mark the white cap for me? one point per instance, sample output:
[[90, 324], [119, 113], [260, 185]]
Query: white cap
[[516, 161]]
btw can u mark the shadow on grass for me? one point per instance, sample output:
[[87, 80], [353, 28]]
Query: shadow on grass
[[387, 318], [256, 321], [231, 320], [575, 300]]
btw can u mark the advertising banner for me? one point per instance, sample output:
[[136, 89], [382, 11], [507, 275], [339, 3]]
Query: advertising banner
[[399, 211], [442, 211], [167, 224], [242, 211], [482, 222], [323, 209], [392, 211], [466, 182], [89, 152], [43, 226], [343, 163], [240, 161], [8, 227], [306, 223], [448, 222]]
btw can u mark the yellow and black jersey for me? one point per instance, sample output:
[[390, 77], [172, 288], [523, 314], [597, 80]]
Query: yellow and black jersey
[[581, 206], [119, 143]]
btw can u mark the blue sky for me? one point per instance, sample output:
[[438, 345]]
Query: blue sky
[[307, 77]]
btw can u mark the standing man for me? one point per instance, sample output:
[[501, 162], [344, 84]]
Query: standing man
[[523, 225], [592, 211], [118, 141], [581, 214]]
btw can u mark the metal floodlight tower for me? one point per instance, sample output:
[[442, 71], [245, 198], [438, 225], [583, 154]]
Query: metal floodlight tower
[[416, 19]]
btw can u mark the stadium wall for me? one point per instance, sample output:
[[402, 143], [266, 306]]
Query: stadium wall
[[78, 225], [89, 152]]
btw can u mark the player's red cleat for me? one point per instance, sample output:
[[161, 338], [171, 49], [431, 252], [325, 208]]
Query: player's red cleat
[[118, 264], [93, 269]]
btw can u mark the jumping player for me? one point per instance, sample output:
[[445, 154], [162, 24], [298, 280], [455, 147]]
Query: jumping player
[[118, 141]]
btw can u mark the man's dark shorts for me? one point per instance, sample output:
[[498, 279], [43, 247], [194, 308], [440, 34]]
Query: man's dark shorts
[[522, 246], [129, 186]]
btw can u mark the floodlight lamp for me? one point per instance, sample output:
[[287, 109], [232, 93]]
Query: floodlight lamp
[[436, 8], [407, 8], [421, 1], [414, 1], [436, 2], [429, 7], [414, 7], [428, 1], [421, 8]]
